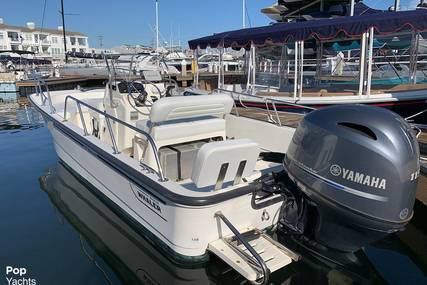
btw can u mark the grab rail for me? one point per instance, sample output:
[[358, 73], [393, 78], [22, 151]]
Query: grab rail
[[110, 130], [39, 91], [260, 262], [266, 100], [416, 115]]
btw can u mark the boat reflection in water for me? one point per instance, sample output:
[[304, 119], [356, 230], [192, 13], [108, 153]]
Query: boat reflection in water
[[136, 261]]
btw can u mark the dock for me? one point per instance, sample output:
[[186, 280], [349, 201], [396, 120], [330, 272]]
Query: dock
[[281, 118], [26, 87], [207, 81]]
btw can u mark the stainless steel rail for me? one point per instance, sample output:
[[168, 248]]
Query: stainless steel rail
[[109, 117], [416, 115], [39, 91], [259, 262], [267, 101]]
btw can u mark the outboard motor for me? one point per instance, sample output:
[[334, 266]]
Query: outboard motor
[[354, 170]]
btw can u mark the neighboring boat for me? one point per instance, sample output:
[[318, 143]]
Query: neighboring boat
[[199, 178], [177, 60], [297, 10], [125, 65], [406, 96], [22, 64], [209, 62]]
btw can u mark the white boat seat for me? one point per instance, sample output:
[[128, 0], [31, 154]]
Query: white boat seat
[[180, 131], [176, 120], [224, 161], [180, 107]]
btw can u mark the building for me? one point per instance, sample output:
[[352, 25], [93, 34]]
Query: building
[[44, 42]]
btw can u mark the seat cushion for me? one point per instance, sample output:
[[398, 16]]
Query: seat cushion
[[179, 131], [179, 107]]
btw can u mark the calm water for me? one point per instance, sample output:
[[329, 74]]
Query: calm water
[[54, 226]]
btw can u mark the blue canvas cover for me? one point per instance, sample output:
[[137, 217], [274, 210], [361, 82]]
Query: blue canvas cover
[[384, 23]]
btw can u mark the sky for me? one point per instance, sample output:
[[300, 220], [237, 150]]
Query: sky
[[133, 21]]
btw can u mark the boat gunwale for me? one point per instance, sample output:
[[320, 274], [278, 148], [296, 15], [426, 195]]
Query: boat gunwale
[[164, 195]]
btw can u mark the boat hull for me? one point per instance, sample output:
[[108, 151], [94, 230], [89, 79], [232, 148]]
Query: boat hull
[[183, 230]]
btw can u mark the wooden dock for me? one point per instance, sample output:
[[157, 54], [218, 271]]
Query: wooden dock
[[285, 119], [207, 81]]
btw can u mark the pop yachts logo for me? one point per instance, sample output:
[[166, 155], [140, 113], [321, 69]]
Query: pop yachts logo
[[358, 177], [17, 276]]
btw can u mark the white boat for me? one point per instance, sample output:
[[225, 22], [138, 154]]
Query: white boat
[[124, 65], [132, 167]]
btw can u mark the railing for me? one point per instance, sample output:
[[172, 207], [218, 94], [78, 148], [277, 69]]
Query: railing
[[109, 117], [416, 115], [259, 263], [267, 101], [39, 91]]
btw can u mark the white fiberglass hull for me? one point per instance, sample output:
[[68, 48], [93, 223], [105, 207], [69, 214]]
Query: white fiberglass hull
[[185, 230]]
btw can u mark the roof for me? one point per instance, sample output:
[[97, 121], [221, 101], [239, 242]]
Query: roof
[[384, 23], [39, 30]]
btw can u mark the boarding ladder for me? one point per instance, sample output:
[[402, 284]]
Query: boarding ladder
[[251, 252]]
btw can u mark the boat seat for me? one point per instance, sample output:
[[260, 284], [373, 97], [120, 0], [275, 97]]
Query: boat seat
[[184, 130], [222, 162], [176, 120]]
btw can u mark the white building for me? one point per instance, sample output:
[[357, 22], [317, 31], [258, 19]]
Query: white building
[[44, 42]]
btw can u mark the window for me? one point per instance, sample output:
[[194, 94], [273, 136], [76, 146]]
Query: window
[[56, 51], [82, 41], [1, 36], [82, 50], [73, 41], [73, 49], [43, 39], [13, 36], [54, 40], [28, 37], [14, 47]]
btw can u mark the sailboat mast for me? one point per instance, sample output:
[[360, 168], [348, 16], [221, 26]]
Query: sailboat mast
[[244, 13], [63, 31], [157, 24]]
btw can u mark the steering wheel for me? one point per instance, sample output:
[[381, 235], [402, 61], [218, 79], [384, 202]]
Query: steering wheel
[[142, 100]]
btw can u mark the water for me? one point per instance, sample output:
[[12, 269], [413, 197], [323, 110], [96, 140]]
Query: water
[[55, 227]]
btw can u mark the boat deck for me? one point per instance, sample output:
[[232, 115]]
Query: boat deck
[[286, 119], [346, 90]]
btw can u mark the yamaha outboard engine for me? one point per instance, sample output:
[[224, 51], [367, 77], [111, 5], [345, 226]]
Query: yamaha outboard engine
[[355, 169]]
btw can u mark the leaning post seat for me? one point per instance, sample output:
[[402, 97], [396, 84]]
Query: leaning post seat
[[221, 162], [182, 119]]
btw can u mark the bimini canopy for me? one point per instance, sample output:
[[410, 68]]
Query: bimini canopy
[[383, 23]]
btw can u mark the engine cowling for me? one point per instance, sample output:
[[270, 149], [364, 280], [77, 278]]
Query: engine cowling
[[359, 166]]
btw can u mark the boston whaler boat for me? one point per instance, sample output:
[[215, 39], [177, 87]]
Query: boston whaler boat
[[279, 70], [200, 178]]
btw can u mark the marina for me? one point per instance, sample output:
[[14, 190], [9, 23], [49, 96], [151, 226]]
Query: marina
[[289, 152], [70, 225]]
